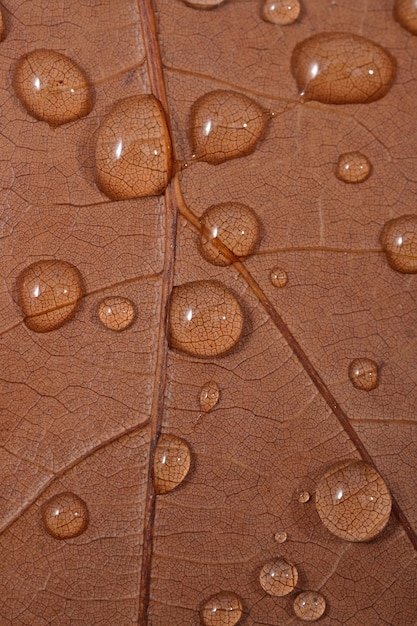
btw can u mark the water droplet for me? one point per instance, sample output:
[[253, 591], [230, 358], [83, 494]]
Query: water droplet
[[278, 578], [342, 68], [303, 496], [65, 515], [209, 396], [49, 294], [116, 313], [399, 242], [52, 87], [205, 319], [353, 167], [133, 151], [405, 12], [171, 463], [353, 501], [223, 609], [203, 4], [226, 125], [279, 277], [363, 374], [281, 536], [281, 12], [235, 226], [309, 606]]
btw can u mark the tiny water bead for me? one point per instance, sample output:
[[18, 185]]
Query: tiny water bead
[[65, 515], [171, 463], [52, 87], [405, 12], [278, 578], [303, 496], [363, 374], [353, 501], [116, 313], [203, 4], [342, 68], [226, 125], [133, 151], [281, 12], [353, 167], [399, 242], [209, 396], [309, 606], [235, 225], [205, 319], [279, 277], [281, 536], [49, 294], [223, 609]]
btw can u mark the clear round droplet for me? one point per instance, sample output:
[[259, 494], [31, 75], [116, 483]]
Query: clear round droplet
[[223, 609], [49, 293], [65, 515], [353, 167], [281, 12], [52, 87], [171, 463], [209, 396], [279, 277], [405, 12], [363, 374], [278, 578], [116, 313], [205, 319], [353, 501], [399, 242], [281, 536], [309, 606], [303, 496]]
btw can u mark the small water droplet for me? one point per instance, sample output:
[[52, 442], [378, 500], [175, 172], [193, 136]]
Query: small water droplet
[[116, 313], [235, 226], [278, 578], [49, 294], [303, 496], [405, 12], [171, 463], [309, 606], [52, 87], [281, 12], [279, 277], [281, 536], [205, 319], [399, 242], [65, 515], [203, 4], [353, 167], [226, 125], [223, 609], [353, 501], [363, 374], [342, 68], [133, 150], [209, 396]]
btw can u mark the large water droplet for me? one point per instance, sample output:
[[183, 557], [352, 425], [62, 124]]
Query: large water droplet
[[209, 396], [405, 12], [363, 374], [353, 167], [281, 12], [399, 242], [52, 87], [205, 319], [49, 294], [133, 151], [353, 501], [278, 578], [342, 68], [116, 313], [171, 463], [223, 609], [309, 606], [226, 125], [235, 226], [279, 277], [65, 515], [203, 4]]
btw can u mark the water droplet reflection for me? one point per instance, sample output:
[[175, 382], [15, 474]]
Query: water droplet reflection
[[281, 12], [353, 167], [171, 463], [209, 396], [399, 242], [363, 374], [309, 606], [65, 515], [223, 609], [116, 313]]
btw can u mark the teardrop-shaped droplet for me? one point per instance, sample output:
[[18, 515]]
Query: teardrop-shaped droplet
[[309, 606], [353, 167], [49, 294], [279, 277], [353, 501], [363, 374], [65, 515], [116, 313], [205, 319], [281, 536], [235, 225], [52, 87], [203, 4], [226, 125], [171, 463], [209, 396], [303, 496], [405, 12], [281, 12], [399, 242], [342, 68], [223, 609], [278, 578], [133, 150]]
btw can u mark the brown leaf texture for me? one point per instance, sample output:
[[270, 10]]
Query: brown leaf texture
[[83, 405]]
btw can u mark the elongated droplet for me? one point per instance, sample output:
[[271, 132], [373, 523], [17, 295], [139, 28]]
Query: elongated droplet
[[171, 463], [363, 374], [52, 87], [405, 12], [209, 396], [342, 68], [353, 501], [226, 125], [133, 151], [399, 242], [281, 12], [279, 277], [353, 167], [49, 294], [309, 606], [223, 609], [303, 496], [65, 515], [235, 226], [281, 536], [205, 319], [203, 4], [116, 313], [278, 578]]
